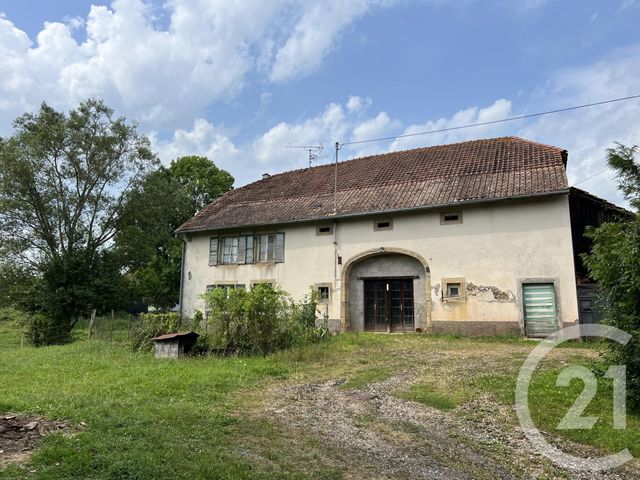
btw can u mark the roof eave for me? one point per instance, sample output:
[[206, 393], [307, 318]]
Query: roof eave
[[374, 213]]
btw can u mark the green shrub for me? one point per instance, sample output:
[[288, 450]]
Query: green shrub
[[42, 330], [259, 321], [13, 317], [39, 328], [614, 263], [152, 325]]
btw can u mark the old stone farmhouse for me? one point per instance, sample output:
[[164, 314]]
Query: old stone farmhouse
[[479, 237]]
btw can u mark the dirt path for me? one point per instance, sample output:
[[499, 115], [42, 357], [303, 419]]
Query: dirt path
[[371, 433], [19, 435]]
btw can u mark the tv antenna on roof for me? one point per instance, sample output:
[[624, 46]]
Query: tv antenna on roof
[[314, 150]]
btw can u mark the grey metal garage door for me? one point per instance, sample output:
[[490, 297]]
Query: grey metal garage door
[[540, 314]]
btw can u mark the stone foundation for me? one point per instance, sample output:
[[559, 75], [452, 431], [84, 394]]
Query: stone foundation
[[476, 329]]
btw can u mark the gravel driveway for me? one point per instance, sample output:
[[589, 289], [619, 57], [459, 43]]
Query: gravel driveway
[[371, 433]]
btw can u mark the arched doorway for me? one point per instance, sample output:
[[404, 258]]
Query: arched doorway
[[386, 290]]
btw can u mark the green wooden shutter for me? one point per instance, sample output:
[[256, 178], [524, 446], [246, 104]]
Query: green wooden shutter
[[279, 250], [540, 314], [242, 250], [213, 251]]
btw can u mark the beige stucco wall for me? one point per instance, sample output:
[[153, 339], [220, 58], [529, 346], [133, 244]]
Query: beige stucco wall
[[495, 246]]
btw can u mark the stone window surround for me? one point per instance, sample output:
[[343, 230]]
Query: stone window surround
[[317, 286], [463, 290]]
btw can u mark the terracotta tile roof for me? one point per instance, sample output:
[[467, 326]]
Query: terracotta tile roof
[[477, 170]]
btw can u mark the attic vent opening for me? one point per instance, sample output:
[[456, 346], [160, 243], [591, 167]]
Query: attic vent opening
[[383, 225], [324, 230], [450, 218]]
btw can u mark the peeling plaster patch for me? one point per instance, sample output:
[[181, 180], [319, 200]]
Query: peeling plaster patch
[[436, 289], [489, 293]]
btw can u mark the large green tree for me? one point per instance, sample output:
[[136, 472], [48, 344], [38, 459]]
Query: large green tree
[[202, 180], [167, 198], [614, 262], [64, 179]]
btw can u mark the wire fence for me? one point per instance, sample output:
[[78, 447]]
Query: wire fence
[[117, 327]]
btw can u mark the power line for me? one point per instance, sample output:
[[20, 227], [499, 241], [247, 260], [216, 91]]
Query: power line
[[493, 122], [591, 176]]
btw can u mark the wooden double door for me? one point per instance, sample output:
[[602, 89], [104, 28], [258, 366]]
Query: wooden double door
[[388, 305]]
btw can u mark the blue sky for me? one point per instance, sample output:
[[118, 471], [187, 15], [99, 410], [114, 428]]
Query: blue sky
[[238, 81]]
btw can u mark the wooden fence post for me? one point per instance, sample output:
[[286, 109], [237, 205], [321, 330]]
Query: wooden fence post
[[93, 319], [112, 320]]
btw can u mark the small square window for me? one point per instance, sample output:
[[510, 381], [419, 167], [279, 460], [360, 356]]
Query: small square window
[[450, 218], [453, 290], [324, 230], [383, 225], [323, 294]]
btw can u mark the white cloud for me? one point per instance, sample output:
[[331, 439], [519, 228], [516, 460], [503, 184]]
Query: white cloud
[[586, 134], [266, 153], [357, 104], [534, 3], [498, 110], [316, 34], [202, 139], [164, 77], [353, 122], [628, 5], [269, 149], [380, 125]]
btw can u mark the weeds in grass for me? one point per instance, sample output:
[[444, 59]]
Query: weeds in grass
[[362, 378], [429, 396]]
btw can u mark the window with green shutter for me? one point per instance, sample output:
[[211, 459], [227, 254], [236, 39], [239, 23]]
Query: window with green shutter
[[279, 250], [247, 249], [213, 251]]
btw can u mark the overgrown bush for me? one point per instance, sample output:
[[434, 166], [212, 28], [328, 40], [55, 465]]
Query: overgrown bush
[[152, 325], [43, 330], [39, 329], [259, 321], [69, 288], [614, 262], [13, 317]]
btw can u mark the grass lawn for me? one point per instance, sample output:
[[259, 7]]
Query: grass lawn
[[140, 418]]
